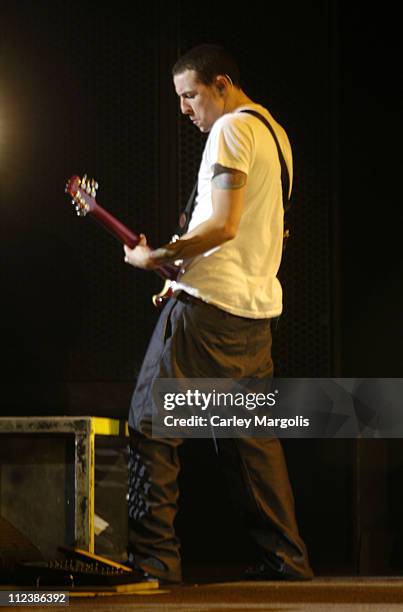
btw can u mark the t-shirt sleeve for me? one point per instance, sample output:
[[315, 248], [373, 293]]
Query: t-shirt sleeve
[[231, 144]]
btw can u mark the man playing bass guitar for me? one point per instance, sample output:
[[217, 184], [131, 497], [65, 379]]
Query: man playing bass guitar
[[218, 323]]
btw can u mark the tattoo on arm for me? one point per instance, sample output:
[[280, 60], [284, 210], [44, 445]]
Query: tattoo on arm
[[228, 178]]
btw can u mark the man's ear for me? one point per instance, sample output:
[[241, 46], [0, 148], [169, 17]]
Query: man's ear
[[220, 84]]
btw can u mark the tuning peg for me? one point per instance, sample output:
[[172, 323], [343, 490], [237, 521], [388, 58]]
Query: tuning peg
[[94, 187], [84, 182]]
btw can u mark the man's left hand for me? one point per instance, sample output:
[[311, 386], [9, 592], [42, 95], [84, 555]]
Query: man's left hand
[[140, 256]]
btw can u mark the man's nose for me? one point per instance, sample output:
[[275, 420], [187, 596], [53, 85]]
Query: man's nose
[[186, 109]]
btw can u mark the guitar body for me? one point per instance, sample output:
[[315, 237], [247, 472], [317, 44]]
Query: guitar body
[[83, 192], [160, 299]]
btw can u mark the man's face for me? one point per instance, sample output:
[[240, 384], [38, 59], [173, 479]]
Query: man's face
[[203, 103]]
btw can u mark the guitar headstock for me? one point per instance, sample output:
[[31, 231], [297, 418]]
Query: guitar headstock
[[83, 192]]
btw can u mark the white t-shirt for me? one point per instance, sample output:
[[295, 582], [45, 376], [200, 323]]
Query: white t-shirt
[[239, 276]]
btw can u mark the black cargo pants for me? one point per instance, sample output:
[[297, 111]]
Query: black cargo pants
[[193, 339]]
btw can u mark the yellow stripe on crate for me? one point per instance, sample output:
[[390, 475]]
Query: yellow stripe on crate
[[107, 427]]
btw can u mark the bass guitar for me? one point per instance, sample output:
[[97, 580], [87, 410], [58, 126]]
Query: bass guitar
[[83, 192]]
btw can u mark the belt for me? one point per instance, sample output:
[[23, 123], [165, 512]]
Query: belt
[[186, 298]]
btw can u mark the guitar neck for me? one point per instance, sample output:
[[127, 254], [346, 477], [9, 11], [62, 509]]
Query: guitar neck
[[114, 226], [126, 236]]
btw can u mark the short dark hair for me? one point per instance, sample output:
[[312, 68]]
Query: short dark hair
[[208, 61]]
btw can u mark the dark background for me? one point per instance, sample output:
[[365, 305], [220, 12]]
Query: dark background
[[87, 88]]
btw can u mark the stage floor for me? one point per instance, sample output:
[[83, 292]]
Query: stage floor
[[336, 594]]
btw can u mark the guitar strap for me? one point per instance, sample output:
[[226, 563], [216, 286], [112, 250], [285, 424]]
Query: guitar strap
[[285, 183], [285, 177], [186, 213]]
